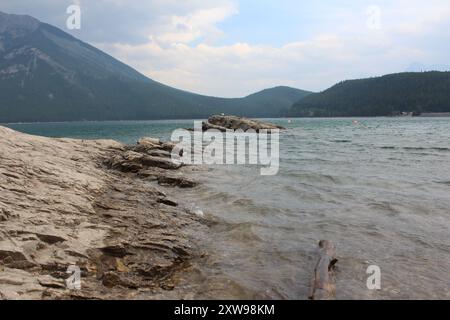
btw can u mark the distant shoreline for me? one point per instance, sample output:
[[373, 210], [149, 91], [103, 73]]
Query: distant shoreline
[[435, 115], [423, 115]]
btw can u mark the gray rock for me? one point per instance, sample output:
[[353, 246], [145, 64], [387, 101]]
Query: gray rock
[[223, 122]]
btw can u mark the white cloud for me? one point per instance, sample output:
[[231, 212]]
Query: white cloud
[[342, 51], [198, 24]]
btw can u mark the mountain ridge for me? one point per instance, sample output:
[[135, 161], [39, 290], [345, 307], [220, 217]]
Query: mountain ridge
[[47, 74], [392, 94]]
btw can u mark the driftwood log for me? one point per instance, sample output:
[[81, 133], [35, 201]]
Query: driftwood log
[[322, 282]]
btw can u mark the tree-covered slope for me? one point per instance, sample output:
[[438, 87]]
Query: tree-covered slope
[[381, 96]]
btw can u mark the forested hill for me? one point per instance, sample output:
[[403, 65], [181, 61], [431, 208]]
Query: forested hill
[[382, 96]]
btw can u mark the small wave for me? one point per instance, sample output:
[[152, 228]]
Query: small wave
[[216, 196], [318, 177], [327, 178], [239, 231], [415, 148], [244, 202], [341, 141], [425, 148], [441, 149], [385, 206], [444, 149], [416, 239], [291, 189], [447, 183], [388, 147]]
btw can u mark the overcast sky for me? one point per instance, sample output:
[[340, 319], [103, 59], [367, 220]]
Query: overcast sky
[[235, 47]]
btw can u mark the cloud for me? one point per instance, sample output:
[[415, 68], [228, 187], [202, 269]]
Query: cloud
[[131, 21], [241, 68], [198, 24], [186, 44]]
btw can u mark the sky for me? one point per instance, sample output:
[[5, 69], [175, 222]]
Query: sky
[[232, 48]]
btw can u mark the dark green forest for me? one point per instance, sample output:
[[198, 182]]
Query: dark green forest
[[392, 94]]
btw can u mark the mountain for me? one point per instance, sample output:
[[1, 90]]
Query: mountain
[[48, 75], [381, 96]]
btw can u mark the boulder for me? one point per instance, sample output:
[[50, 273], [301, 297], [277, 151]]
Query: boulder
[[232, 122]]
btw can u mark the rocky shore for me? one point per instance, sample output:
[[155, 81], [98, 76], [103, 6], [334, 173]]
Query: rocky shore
[[95, 205]]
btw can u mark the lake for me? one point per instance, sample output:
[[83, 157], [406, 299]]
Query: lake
[[378, 187]]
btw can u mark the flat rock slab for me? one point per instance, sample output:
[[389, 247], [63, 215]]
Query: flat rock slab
[[226, 122]]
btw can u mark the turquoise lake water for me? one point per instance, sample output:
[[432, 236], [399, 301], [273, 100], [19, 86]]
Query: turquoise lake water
[[378, 188]]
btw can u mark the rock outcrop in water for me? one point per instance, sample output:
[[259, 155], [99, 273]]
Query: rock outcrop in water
[[225, 122], [95, 205]]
